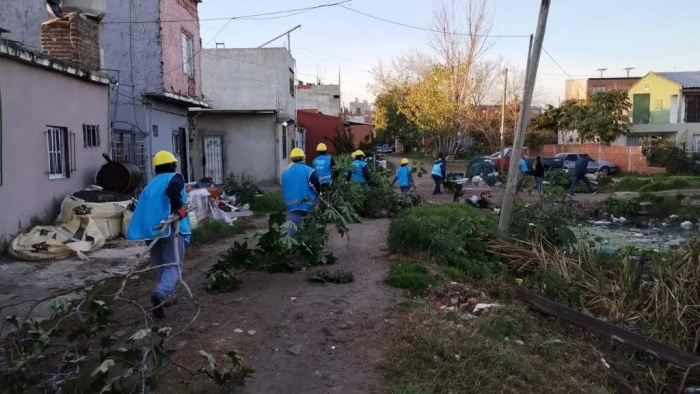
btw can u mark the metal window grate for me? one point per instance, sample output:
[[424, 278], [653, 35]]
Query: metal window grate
[[91, 136], [284, 142], [57, 141], [213, 158]]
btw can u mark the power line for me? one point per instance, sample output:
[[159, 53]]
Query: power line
[[562, 68], [224, 27], [210, 53], [292, 12], [431, 30]]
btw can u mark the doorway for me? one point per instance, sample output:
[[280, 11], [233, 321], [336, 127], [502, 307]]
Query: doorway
[[213, 158]]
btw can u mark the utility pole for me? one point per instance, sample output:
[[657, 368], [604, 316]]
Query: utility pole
[[289, 39], [503, 116], [601, 70], [525, 108], [628, 69]]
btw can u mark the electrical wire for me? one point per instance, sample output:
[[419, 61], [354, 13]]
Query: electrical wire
[[562, 68], [428, 29], [222, 29], [292, 12]]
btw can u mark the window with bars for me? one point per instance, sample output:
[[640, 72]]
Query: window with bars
[[284, 142], [187, 53], [58, 142], [91, 136]]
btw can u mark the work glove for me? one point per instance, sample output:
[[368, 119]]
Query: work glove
[[182, 212]]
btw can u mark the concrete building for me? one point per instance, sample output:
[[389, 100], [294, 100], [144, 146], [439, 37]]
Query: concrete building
[[320, 98], [49, 146], [357, 108], [667, 105], [154, 60], [583, 89], [158, 66], [252, 126]]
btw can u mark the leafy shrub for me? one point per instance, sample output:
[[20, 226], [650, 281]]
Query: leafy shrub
[[409, 276], [268, 203], [476, 268], [244, 187], [548, 218], [446, 231], [624, 208], [665, 153]]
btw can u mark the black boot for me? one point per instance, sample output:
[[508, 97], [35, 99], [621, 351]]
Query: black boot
[[157, 301]]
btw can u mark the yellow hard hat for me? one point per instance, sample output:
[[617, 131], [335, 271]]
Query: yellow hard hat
[[163, 157], [321, 147], [404, 161], [358, 153], [297, 153]]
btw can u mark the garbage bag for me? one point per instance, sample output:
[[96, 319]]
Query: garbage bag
[[44, 243]]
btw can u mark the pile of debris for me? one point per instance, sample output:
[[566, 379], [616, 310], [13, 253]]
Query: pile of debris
[[463, 300]]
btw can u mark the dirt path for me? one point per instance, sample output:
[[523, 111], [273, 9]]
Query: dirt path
[[337, 329]]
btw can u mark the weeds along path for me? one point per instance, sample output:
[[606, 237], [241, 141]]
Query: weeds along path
[[301, 337]]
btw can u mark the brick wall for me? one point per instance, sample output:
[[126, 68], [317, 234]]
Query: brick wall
[[622, 84], [627, 158], [74, 39], [174, 78]]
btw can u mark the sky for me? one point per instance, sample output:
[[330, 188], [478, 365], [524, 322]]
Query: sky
[[581, 36]]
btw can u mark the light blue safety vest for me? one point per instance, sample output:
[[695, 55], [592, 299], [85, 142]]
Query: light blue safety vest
[[437, 169], [297, 193], [322, 165], [357, 175], [152, 208], [404, 176]]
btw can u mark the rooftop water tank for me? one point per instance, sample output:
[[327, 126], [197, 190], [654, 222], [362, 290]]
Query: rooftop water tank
[[98, 8]]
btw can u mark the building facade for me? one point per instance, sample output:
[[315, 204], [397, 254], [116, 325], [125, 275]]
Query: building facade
[[50, 146], [324, 99], [666, 105], [151, 48], [253, 94], [158, 65]]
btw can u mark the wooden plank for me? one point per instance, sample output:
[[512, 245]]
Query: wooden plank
[[657, 349]]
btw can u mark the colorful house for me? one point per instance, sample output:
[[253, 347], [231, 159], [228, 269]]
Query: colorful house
[[667, 105]]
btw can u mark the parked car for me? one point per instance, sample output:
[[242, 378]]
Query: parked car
[[549, 163], [386, 148], [602, 166]]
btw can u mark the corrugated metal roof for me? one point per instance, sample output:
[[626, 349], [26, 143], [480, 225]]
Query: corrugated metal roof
[[687, 79]]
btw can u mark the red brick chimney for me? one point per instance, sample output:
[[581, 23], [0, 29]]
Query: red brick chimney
[[74, 38]]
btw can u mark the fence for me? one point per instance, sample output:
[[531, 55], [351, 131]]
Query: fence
[[627, 158]]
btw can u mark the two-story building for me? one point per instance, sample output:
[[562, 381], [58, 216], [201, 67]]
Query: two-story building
[[252, 125], [153, 47], [667, 105]]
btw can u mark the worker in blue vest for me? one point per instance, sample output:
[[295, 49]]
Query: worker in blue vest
[[300, 188], [404, 175], [358, 172], [163, 197], [324, 166], [439, 173]]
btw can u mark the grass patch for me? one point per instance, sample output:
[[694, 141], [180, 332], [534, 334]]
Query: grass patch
[[657, 183], [268, 203], [434, 352], [409, 276], [214, 230]]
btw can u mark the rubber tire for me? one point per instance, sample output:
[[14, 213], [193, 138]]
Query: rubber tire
[[604, 170]]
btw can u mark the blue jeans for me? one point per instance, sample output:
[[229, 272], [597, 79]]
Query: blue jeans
[[438, 181], [538, 184], [578, 179], [404, 193], [296, 217], [163, 253]]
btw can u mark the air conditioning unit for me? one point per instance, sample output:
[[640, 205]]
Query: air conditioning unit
[[98, 8]]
